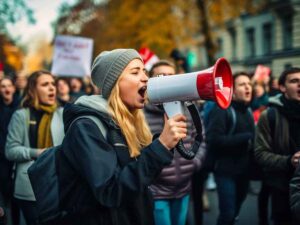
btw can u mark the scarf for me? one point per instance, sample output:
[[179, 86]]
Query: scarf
[[44, 129], [291, 108]]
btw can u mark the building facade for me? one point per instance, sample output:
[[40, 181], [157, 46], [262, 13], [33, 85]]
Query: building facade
[[270, 38]]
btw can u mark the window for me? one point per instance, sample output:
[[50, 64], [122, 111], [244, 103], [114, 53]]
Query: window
[[287, 28], [251, 41], [267, 38], [220, 47], [232, 33], [287, 66]]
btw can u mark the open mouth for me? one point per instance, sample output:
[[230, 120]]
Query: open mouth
[[51, 95], [142, 91]]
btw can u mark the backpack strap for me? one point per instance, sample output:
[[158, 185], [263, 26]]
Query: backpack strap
[[232, 115], [114, 138], [99, 124], [271, 115], [97, 121]]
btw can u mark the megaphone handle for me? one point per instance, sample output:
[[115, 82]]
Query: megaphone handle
[[191, 153], [196, 118], [173, 108]]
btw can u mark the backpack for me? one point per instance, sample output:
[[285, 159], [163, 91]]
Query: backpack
[[272, 117], [210, 159], [44, 179]]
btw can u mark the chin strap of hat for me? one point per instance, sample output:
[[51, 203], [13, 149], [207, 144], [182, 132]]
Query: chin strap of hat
[[190, 153]]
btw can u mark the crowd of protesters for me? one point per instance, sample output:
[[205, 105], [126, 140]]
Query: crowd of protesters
[[256, 138]]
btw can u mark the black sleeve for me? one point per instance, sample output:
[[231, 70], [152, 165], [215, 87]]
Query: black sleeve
[[217, 132], [96, 161], [295, 195]]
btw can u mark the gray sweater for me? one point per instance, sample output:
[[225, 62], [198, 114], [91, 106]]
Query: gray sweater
[[18, 149]]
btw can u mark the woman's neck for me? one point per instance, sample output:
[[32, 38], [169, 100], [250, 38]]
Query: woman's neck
[[7, 101]]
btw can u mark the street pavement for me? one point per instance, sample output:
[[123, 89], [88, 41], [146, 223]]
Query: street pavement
[[248, 213]]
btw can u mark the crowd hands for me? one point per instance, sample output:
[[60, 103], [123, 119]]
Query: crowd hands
[[255, 149]]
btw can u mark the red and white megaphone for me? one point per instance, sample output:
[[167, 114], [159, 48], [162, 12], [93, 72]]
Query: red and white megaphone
[[176, 91], [214, 83]]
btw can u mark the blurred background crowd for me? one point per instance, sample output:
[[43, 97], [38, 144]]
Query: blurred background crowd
[[260, 39]]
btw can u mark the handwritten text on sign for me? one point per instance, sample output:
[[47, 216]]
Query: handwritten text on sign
[[72, 56]]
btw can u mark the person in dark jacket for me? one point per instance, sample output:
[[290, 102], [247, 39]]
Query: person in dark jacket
[[105, 175], [63, 91], [295, 196], [232, 150], [171, 189], [77, 87], [8, 105], [277, 144], [20, 81]]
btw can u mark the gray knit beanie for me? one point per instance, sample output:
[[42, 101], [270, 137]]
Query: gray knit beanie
[[108, 66]]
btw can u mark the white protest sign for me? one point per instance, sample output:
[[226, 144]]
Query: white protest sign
[[72, 56]]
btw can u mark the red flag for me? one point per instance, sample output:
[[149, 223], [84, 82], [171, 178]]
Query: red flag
[[149, 57], [262, 73]]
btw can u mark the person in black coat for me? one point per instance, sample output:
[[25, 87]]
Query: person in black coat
[[8, 105], [232, 149], [104, 174], [277, 148]]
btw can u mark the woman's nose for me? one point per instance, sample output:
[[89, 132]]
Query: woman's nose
[[145, 77], [52, 87]]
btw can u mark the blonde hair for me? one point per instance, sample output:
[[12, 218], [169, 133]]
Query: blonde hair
[[133, 124]]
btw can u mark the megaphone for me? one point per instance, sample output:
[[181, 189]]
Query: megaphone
[[177, 91]]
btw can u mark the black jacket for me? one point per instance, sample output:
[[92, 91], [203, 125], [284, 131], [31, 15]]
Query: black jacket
[[6, 112], [101, 180], [277, 139], [295, 195], [231, 151]]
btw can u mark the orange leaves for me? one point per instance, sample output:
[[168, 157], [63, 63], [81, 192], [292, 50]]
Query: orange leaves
[[161, 25]]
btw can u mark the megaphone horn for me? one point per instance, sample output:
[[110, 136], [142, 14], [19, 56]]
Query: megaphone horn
[[214, 83]]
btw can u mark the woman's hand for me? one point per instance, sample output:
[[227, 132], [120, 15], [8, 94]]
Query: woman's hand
[[40, 151], [175, 129]]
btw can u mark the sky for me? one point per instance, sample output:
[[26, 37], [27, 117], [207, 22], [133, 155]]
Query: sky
[[45, 12]]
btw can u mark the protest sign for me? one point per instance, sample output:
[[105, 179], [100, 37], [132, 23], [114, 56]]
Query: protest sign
[[72, 56]]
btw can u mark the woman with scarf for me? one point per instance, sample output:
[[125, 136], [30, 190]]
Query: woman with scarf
[[32, 129]]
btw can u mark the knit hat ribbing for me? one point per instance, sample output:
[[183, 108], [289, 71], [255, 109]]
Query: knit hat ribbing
[[109, 65]]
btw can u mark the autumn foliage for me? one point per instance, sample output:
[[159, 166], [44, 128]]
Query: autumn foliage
[[159, 25]]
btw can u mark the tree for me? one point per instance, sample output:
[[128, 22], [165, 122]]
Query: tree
[[159, 25], [11, 11], [134, 23], [73, 17]]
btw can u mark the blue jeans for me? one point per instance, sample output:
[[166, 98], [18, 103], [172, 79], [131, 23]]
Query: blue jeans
[[232, 191], [171, 211]]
